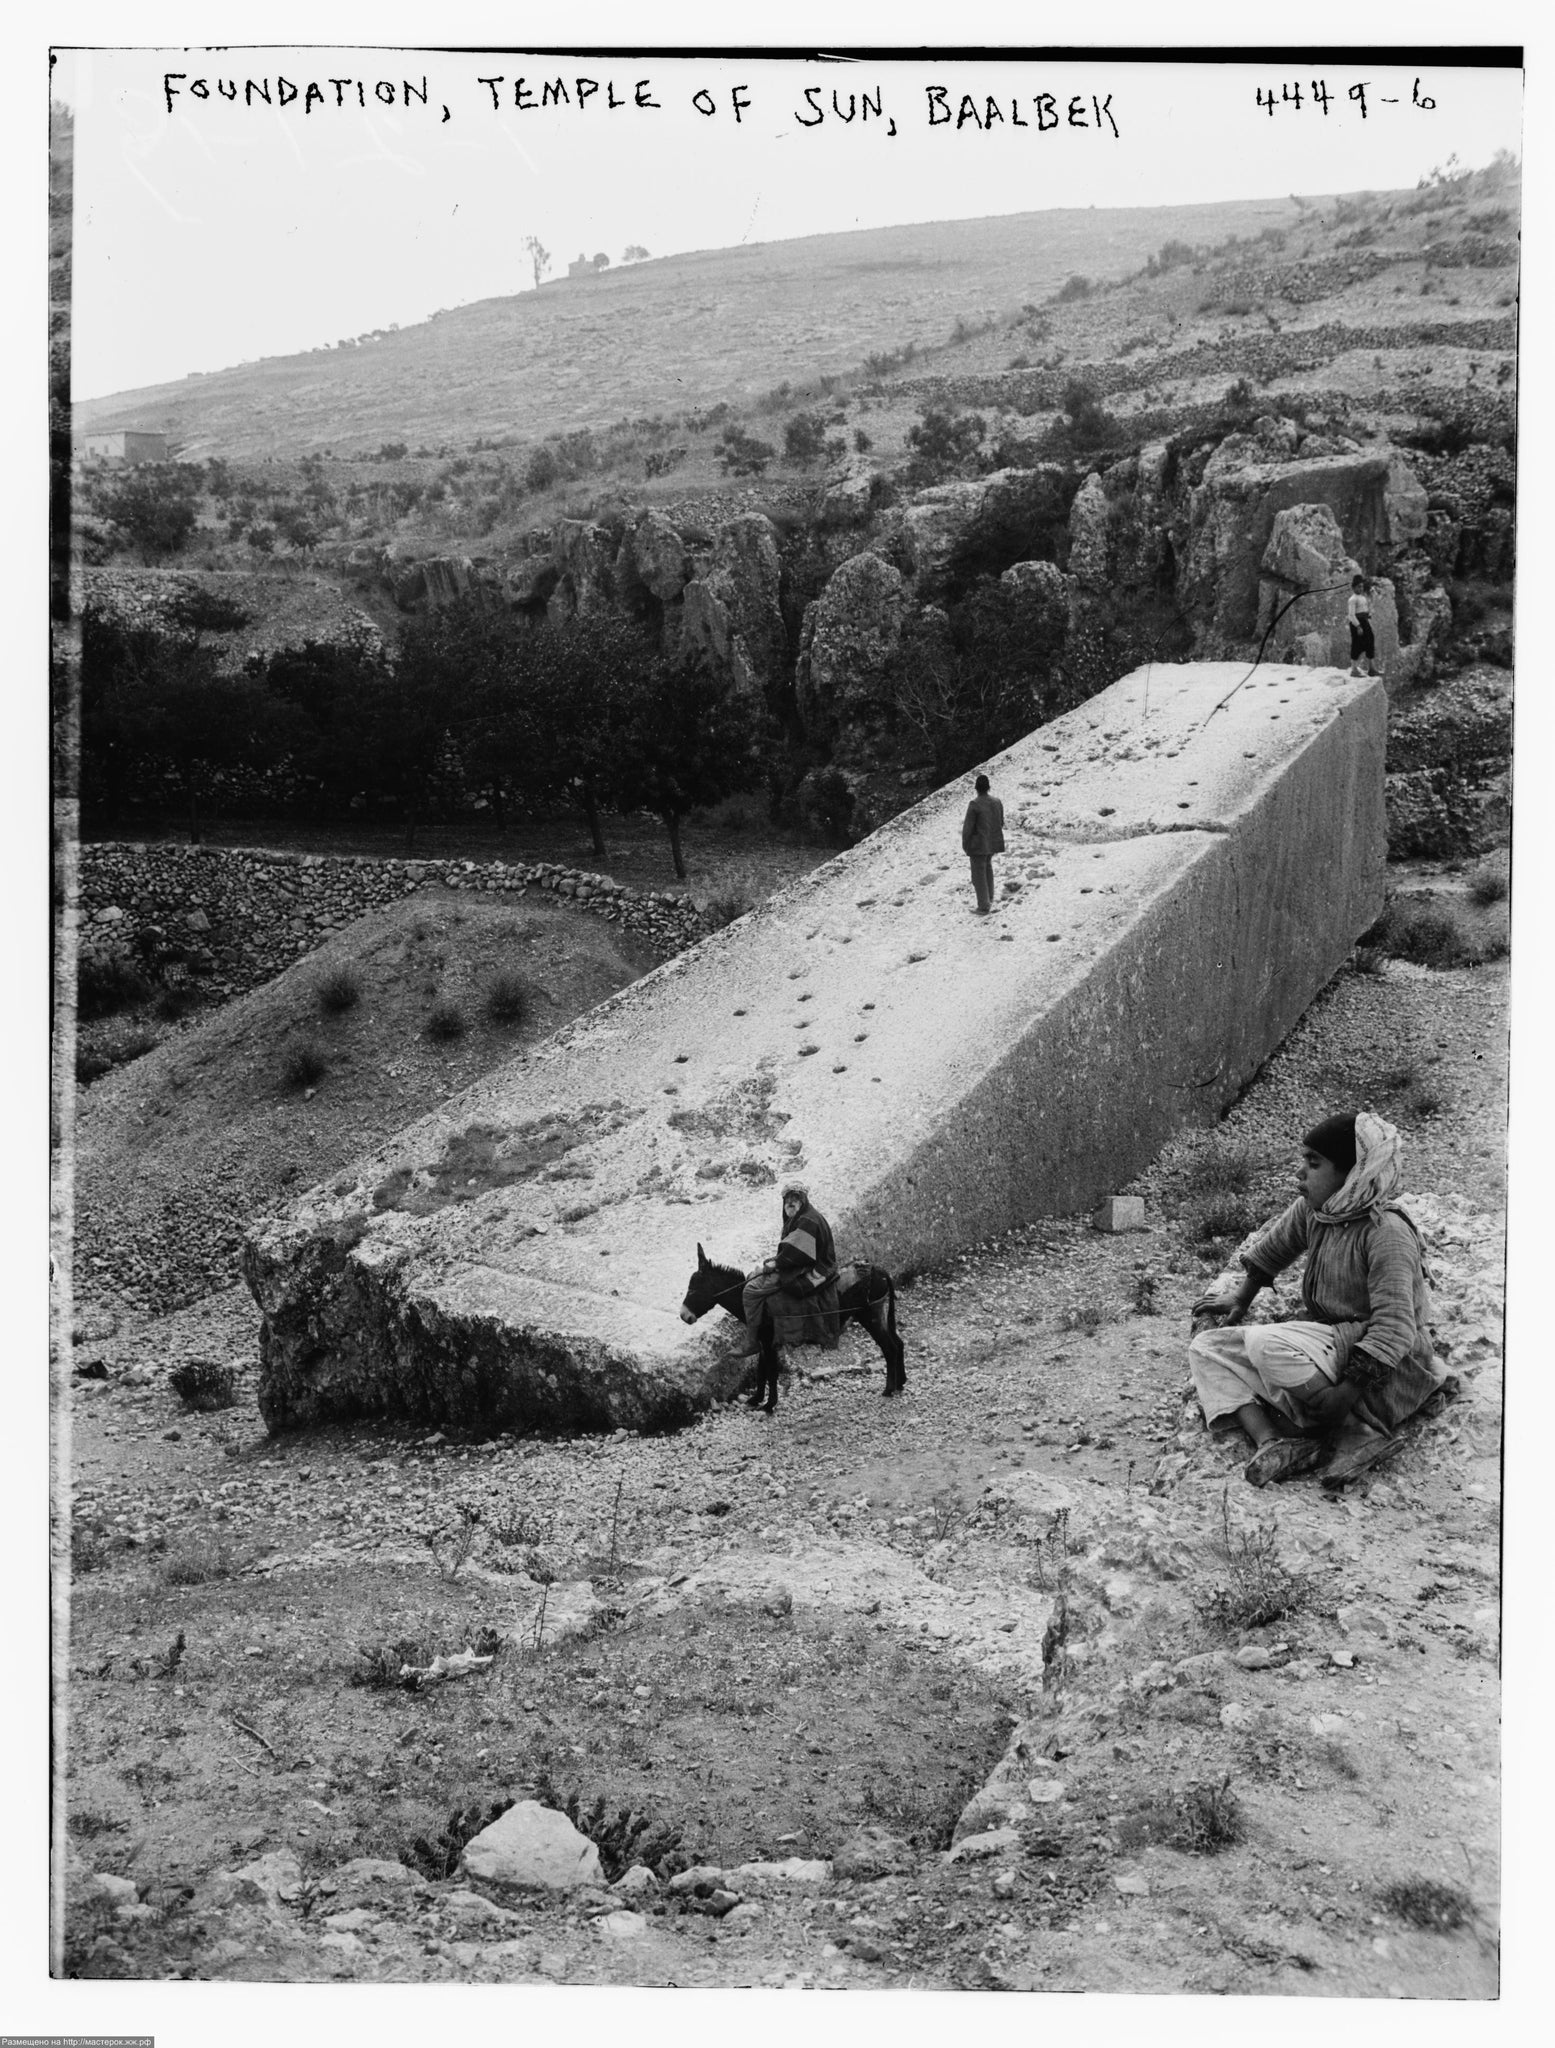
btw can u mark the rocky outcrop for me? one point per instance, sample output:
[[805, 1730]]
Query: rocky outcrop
[[848, 643], [851, 497], [946, 535], [653, 558], [1088, 521], [1304, 594], [1374, 499], [584, 558], [1449, 767], [731, 613]]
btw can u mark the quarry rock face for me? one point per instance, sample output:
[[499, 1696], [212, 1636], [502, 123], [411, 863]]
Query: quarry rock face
[[583, 556], [1374, 498], [1191, 856], [851, 634], [1304, 594], [1088, 535], [730, 610], [1010, 512], [653, 555]]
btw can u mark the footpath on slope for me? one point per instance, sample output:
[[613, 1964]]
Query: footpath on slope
[[936, 1076]]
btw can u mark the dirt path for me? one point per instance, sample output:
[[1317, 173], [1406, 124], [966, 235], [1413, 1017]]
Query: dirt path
[[769, 1635]]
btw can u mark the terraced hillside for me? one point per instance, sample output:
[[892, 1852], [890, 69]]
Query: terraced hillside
[[718, 324]]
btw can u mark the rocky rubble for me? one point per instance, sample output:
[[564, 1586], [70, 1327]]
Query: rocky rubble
[[247, 913]]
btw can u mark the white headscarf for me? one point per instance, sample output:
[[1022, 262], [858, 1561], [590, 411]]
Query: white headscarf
[[1375, 1179]]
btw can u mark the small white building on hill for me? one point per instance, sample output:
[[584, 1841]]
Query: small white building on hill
[[126, 444]]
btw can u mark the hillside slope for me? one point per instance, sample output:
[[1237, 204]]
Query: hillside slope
[[720, 324]]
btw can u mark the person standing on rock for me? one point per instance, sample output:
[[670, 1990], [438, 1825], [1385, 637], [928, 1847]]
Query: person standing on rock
[[1332, 1388], [1362, 641], [982, 836]]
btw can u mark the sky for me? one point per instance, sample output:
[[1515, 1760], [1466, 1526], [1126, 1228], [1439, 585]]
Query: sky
[[214, 230]]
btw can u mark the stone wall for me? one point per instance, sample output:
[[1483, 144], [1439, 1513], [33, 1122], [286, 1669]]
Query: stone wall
[[244, 914]]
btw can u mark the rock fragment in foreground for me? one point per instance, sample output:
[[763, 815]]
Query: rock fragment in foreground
[[533, 1846], [1191, 856]]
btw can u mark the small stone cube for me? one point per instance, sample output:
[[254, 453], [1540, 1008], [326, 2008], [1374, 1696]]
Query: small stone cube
[[1120, 1212]]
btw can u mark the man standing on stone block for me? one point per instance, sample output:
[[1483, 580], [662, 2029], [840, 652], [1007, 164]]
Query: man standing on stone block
[[982, 836]]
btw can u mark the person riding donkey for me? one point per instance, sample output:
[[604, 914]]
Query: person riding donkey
[[795, 1293], [1330, 1389]]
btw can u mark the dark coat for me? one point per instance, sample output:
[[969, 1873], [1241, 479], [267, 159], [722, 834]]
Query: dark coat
[[982, 831]]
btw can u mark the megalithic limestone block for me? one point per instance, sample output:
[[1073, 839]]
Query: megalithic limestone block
[[1191, 856]]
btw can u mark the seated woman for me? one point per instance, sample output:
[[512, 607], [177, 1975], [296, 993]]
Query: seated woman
[[797, 1290], [1361, 1361]]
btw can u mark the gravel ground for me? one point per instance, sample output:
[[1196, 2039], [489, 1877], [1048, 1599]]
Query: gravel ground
[[1042, 1458]]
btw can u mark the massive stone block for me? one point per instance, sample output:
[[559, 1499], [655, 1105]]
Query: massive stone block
[[1191, 856]]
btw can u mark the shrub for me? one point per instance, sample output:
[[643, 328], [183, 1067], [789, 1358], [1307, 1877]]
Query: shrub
[[542, 470], [804, 438], [507, 1000], [1227, 1215], [1089, 425], [722, 910], [196, 1564], [1209, 1819], [203, 1384], [339, 991], [107, 983], [1422, 1902], [153, 506], [861, 441], [175, 1001], [629, 1838], [741, 454], [305, 1066], [1074, 287], [1422, 932], [445, 1022], [1489, 883], [1259, 1587], [439, 1859], [944, 442], [1223, 1165]]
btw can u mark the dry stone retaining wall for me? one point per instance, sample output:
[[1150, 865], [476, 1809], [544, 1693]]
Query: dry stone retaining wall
[[253, 911]]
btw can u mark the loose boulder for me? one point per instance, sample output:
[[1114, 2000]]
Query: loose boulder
[[535, 1847]]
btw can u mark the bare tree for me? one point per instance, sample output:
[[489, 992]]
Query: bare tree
[[539, 257]]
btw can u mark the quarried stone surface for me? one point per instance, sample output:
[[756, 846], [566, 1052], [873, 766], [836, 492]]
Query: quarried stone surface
[[1190, 857]]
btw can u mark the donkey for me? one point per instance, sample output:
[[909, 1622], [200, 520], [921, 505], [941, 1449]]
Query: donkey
[[866, 1295]]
